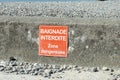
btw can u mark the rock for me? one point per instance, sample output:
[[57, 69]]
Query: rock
[[50, 67], [118, 76], [21, 64], [115, 79], [69, 67], [86, 46], [95, 69], [61, 69], [47, 73], [33, 70], [64, 66], [35, 73], [17, 73], [2, 64], [14, 69], [8, 68], [12, 59], [78, 68], [51, 72], [35, 64], [1, 68], [105, 69], [37, 68], [53, 66], [112, 70], [111, 73], [13, 63], [21, 71], [27, 71]]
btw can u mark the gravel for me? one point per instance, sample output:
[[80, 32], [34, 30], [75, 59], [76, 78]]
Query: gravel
[[94, 9], [50, 71]]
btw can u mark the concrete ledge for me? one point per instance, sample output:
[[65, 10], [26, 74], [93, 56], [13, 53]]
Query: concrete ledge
[[92, 42], [57, 20]]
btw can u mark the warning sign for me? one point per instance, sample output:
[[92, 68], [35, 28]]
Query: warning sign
[[53, 40]]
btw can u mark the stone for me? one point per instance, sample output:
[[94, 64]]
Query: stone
[[26, 71], [14, 69], [47, 73], [51, 72], [86, 46], [53, 66], [111, 73], [35, 73], [69, 67], [2, 64], [21, 71], [118, 75], [71, 49], [95, 69], [1, 68], [21, 64], [12, 59], [33, 70], [35, 64], [112, 70], [105, 69], [8, 68], [61, 69], [13, 63], [29, 69]]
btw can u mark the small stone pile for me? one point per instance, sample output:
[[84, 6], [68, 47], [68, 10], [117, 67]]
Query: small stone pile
[[47, 70]]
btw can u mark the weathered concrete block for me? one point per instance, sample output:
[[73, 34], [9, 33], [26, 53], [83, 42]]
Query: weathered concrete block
[[92, 42]]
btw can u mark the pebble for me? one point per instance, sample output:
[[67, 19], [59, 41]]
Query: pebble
[[21, 64], [46, 75], [1, 68], [8, 68], [95, 69], [69, 67], [38, 69], [26, 71], [57, 66], [51, 72], [117, 77], [112, 70], [35, 64], [13, 63], [35, 73], [86, 46], [14, 69], [105, 69], [2, 64], [12, 59]]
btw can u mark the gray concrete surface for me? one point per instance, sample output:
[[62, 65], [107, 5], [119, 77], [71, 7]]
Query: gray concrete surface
[[92, 42], [83, 9]]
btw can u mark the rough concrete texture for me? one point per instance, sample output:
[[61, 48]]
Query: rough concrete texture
[[83, 9], [92, 42]]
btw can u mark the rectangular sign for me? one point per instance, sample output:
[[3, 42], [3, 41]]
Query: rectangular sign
[[53, 40]]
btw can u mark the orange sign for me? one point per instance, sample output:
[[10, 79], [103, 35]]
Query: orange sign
[[53, 40]]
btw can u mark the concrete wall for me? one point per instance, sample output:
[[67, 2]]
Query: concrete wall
[[92, 42]]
